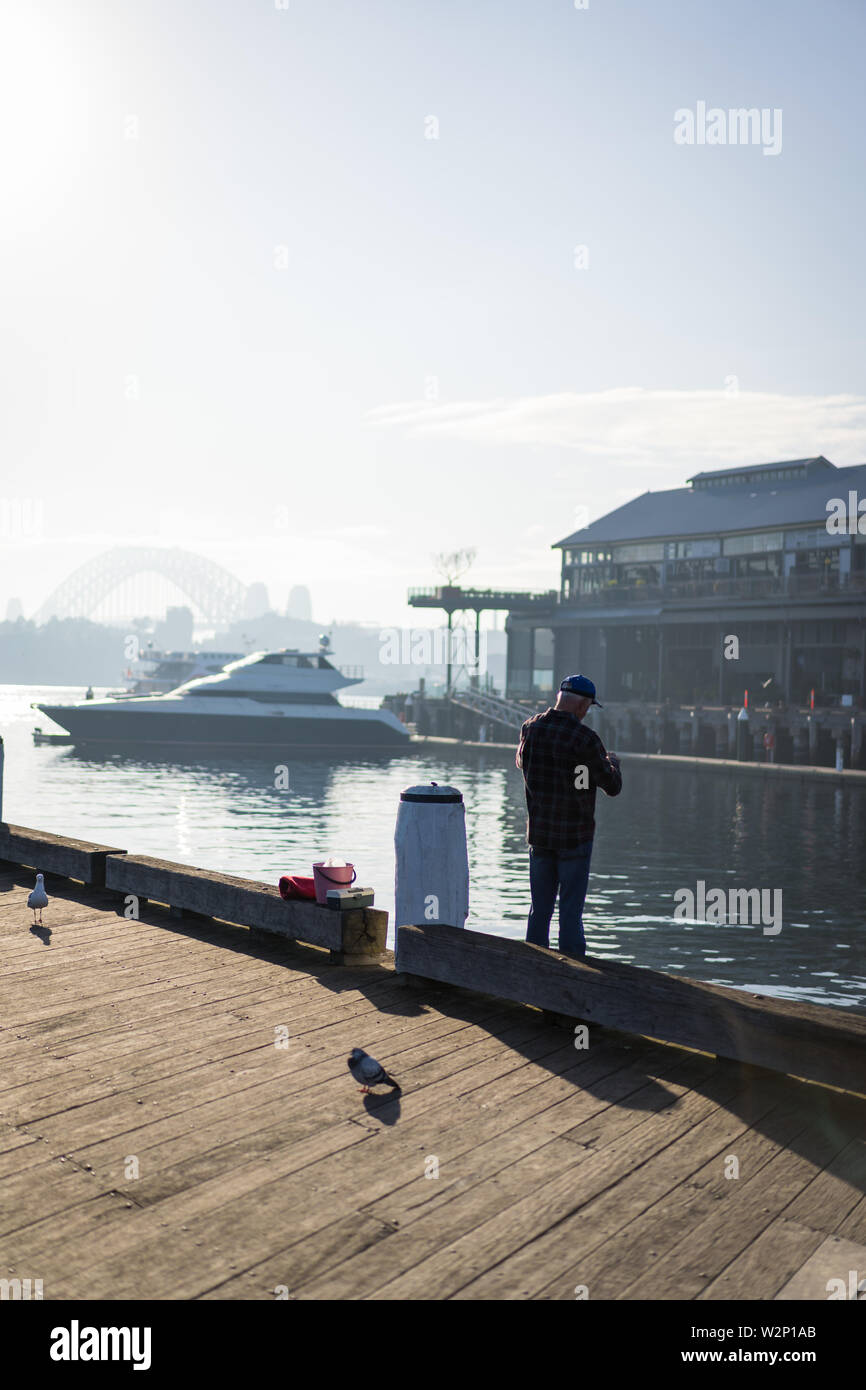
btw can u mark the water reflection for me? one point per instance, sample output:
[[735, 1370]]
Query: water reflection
[[668, 830]]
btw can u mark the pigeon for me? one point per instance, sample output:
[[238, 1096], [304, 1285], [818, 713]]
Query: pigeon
[[368, 1072], [38, 899]]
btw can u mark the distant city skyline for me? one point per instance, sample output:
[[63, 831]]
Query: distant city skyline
[[319, 310]]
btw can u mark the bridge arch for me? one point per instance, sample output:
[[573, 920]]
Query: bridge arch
[[214, 591]]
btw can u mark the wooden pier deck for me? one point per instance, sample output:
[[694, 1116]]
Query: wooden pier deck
[[157, 1143]]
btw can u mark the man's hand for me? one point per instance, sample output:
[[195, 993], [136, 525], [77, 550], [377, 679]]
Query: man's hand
[[614, 759]]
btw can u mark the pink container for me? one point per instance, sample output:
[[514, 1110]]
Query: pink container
[[332, 876]]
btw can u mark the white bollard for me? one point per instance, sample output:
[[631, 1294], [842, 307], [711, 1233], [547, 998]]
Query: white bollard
[[432, 869]]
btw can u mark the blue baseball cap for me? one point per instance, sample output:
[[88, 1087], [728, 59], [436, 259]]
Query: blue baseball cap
[[581, 685]]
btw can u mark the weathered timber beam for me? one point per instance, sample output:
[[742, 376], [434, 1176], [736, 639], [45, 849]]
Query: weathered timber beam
[[55, 854], [353, 937], [812, 1041]]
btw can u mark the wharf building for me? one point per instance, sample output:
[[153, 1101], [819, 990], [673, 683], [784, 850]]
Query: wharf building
[[651, 595]]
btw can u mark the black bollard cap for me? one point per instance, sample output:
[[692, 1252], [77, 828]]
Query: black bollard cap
[[431, 792]]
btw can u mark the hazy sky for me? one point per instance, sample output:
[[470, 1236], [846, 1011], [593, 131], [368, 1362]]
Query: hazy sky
[[251, 307]]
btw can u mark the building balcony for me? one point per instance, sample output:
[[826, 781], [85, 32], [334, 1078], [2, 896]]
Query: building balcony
[[710, 590], [451, 596]]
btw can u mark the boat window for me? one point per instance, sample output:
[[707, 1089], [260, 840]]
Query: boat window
[[265, 697], [284, 659]]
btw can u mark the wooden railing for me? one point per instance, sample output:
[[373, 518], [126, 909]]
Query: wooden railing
[[354, 936]]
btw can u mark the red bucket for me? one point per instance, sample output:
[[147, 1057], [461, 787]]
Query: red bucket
[[331, 876]]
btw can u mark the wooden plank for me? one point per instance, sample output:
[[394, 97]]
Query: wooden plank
[[98, 974], [609, 1244], [12, 1138], [358, 933], [767, 1262], [26, 1156], [50, 1090], [180, 1079], [296, 1119], [173, 1147], [697, 1123], [14, 912], [202, 1210], [611, 1095], [56, 854], [43, 1190], [91, 1003], [805, 1040], [44, 1241], [118, 944], [78, 1052], [854, 1225], [119, 1112], [501, 1104], [836, 1191], [197, 1017], [37, 1242], [432, 1237], [837, 1268], [703, 1267], [358, 1014], [231, 1139], [330, 1246], [172, 1065]]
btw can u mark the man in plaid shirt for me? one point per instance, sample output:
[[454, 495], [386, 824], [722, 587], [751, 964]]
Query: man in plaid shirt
[[563, 762]]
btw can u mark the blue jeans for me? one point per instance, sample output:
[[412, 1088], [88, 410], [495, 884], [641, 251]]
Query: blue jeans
[[567, 870]]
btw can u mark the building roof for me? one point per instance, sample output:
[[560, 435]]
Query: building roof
[[805, 467], [759, 503]]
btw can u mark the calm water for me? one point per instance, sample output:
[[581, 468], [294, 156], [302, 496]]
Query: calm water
[[667, 830]]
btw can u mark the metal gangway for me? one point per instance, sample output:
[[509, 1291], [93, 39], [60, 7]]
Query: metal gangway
[[506, 712]]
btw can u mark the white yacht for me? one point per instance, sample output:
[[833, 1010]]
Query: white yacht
[[265, 700]]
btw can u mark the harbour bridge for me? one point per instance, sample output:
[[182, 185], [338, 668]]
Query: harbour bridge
[[213, 591]]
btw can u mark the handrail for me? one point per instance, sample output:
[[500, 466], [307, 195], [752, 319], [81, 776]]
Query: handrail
[[493, 706], [792, 586]]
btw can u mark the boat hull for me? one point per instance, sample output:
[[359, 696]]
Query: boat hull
[[115, 727]]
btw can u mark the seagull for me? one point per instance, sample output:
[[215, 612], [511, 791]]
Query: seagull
[[368, 1072], [38, 899]]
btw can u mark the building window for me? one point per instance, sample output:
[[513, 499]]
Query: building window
[[590, 557], [754, 544], [809, 539], [631, 554]]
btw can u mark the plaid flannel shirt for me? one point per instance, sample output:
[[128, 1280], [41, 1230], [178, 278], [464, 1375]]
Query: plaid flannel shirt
[[553, 747]]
